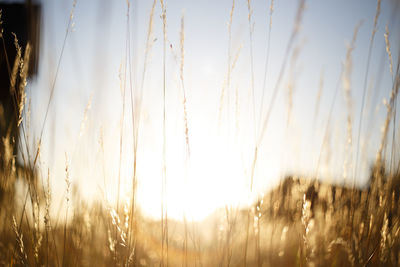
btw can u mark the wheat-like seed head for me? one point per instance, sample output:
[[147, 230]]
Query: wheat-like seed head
[[164, 18], [14, 72], [271, 10], [378, 12], [383, 242], [250, 10], [22, 254], [182, 62], [47, 203], [23, 73], [386, 35], [67, 179], [231, 16]]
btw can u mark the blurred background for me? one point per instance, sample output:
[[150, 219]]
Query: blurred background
[[89, 123]]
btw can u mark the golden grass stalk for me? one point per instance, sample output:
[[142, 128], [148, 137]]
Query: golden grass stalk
[[38, 237], [130, 216], [9, 163], [21, 252], [47, 224], [164, 206], [14, 72], [122, 77], [263, 126], [292, 39], [292, 81], [67, 198], [251, 30], [185, 116], [149, 45], [387, 42], [384, 239], [378, 11], [53, 85], [227, 81], [326, 135], [385, 128], [136, 102], [23, 73], [182, 61], [305, 220], [346, 84], [136, 116], [271, 11]]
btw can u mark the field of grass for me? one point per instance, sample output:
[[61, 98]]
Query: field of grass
[[306, 220]]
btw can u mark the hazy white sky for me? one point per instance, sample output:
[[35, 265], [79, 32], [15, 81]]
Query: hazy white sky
[[218, 170]]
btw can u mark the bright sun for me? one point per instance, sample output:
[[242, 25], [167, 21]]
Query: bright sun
[[212, 178]]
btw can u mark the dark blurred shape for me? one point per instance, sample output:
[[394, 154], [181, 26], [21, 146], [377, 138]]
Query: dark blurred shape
[[20, 20]]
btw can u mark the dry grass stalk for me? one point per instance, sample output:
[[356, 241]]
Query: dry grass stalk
[[387, 42], [182, 49], [149, 46], [46, 218], [271, 11], [384, 239], [251, 30], [53, 85], [227, 81], [23, 74], [346, 83], [292, 82], [185, 116], [385, 128], [21, 253], [292, 39], [253, 103], [264, 124], [14, 72], [67, 198], [330, 216], [377, 13], [164, 206], [374, 29], [306, 222]]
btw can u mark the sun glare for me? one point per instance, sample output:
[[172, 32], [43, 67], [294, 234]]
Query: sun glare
[[211, 178]]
